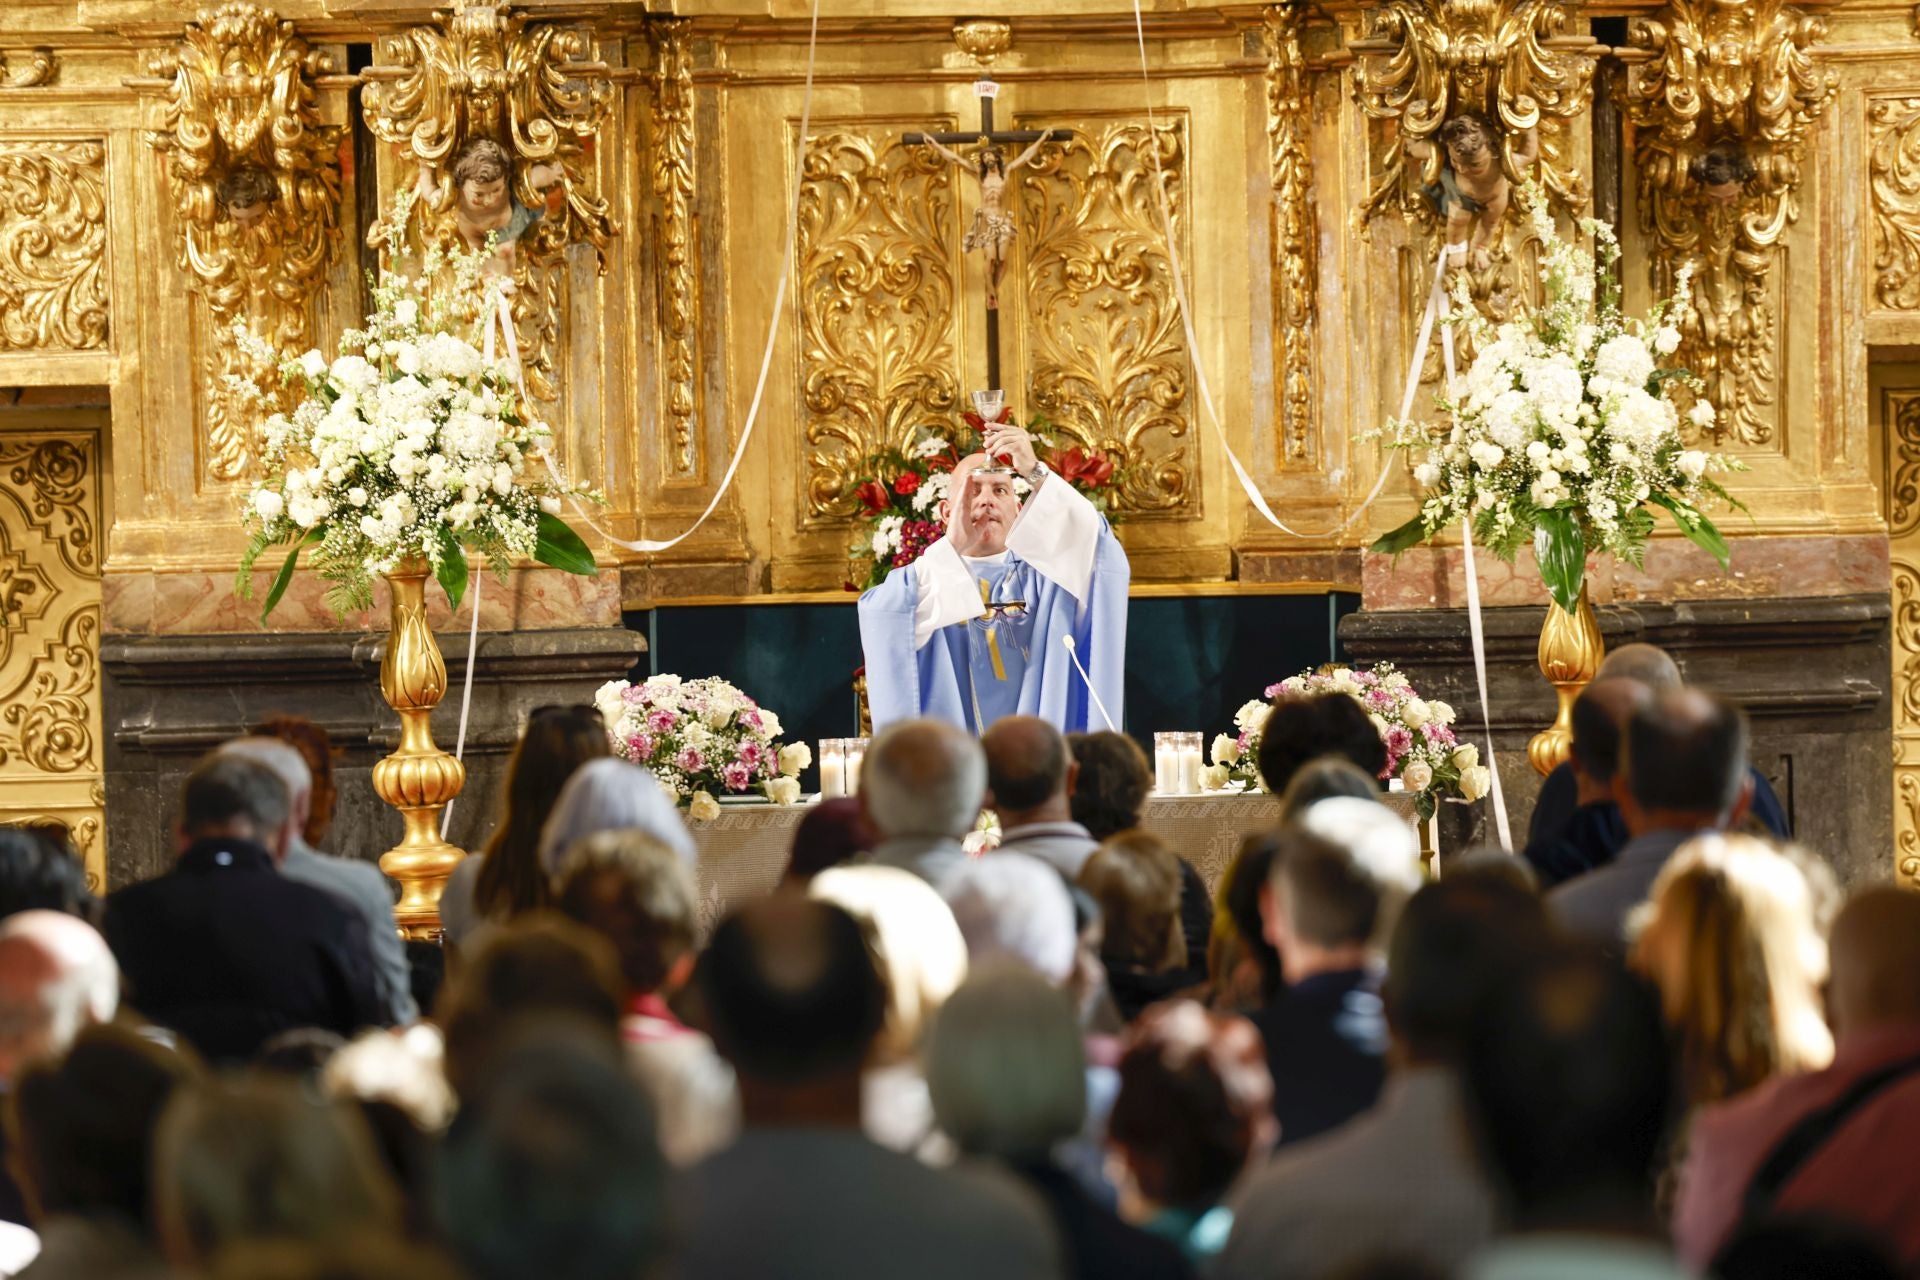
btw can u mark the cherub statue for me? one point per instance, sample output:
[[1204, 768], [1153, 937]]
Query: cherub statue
[[482, 194], [1723, 172], [992, 229], [246, 192], [1472, 191]]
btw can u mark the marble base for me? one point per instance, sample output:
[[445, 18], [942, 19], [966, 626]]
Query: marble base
[[169, 699], [1814, 673]]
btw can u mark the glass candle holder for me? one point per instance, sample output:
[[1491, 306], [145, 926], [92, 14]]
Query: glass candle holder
[[833, 768], [1191, 763], [1166, 763], [856, 756]]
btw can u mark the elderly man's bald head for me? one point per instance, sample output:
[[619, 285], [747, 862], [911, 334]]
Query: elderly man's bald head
[[1649, 664], [1875, 955], [923, 778], [57, 976], [1600, 716], [1028, 764]]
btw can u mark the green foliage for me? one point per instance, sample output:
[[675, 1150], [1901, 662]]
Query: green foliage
[[561, 548], [1562, 553]]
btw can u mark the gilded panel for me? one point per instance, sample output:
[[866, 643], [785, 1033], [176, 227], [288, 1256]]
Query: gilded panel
[[1894, 177], [877, 301], [50, 636], [1106, 354], [53, 245]]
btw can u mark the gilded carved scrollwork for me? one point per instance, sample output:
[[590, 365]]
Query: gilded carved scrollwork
[[1106, 356], [487, 73], [1296, 260], [26, 68], [53, 245], [1900, 412], [1722, 105], [678, 284], [1894, 174], [876, 303], [1906, 681], [255, 179]]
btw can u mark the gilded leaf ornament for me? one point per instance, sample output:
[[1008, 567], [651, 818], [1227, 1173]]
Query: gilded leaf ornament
[[1894, 173], [876, 302], [1900, 412], [53, 245], [1296, 233], [255, 180], [678, 286], [26, 68], [1721, 103], [1106, 354]]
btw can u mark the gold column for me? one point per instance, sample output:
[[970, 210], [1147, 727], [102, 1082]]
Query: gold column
[[1570, 652]]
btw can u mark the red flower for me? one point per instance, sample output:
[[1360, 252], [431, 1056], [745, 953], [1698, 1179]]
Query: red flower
[[873, 496], [942, 462], [1078, 467], [907, 483]]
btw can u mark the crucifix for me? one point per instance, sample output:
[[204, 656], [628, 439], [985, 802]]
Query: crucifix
[[992, 230]]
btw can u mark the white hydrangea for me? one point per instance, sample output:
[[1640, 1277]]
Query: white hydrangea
[[1623, 361], [1509, 418]]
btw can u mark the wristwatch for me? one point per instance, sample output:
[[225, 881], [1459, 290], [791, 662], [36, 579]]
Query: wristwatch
[[1040, 472]]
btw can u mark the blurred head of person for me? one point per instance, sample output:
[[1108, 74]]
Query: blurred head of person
[[636, 893], [541, 964], [1242, 965], [1111, 784], [1136, 880], [357, 1256], [397, 1080], [1195, 1107], [830, 834], [1325, 778], [1875, 951], [81, 1126], [557, 741], [921, 955], [301, 1053], [922, 778], [613, 795], [1339, 878], [39, 873], [317, 751], [1600, 716], [230, 796], [795, 1002], [1014, 906], [1304, 728], [1030, 772], [57, 977], [1569, 1089], [1648, 664], [1006, 1067], [1684, 764], [252, 1157], [1728, 935], [554, 1168], [1456, 939]]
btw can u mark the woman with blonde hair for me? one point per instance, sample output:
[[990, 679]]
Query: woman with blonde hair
[[1729, 933]]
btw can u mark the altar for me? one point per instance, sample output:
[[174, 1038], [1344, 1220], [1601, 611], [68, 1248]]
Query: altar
[[744, 851]]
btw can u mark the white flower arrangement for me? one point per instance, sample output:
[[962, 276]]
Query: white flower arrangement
[[1564, 432], [700, 737], [410, 445]]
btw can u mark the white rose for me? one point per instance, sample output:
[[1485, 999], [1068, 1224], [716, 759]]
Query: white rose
[[1414, 713], [1215, 777], [313, 364], [1466, 756], [782, 790], [1702, 414], [1417, 776], [1440, 713], [357, 496], [268, 505], [703, 807], [794, 757], [1226, 748], [407, 312], [1666, 340], [770, 724], [1426, 475], [1474, 781], [1692, 464], [408, 359], [1486, 455], [1251, 715]]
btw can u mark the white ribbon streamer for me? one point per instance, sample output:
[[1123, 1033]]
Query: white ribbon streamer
[[1435, 314], [466, 696]]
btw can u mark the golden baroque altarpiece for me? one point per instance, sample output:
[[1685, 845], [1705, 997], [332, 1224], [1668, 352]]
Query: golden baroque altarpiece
[[168, 171]]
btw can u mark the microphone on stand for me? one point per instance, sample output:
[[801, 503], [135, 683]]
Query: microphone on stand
[[1098, 705]]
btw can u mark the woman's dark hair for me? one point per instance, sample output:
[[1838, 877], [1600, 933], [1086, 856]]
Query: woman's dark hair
[[316, 748], [1237, 908], [557, 741], [1298, 729], [39, 871], [1111, 791]]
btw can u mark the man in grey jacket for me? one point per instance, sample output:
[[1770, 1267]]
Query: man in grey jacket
[[359, 884]]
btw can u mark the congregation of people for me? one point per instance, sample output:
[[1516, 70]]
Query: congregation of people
[[1660, 1042]]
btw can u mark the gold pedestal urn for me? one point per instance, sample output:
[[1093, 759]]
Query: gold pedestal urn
[[418, 779], [1570, 652]]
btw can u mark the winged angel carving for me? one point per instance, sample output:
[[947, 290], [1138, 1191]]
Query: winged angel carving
[[255, 179], [493, 114]]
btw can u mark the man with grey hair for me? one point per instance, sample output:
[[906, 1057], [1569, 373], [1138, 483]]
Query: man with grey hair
[[1016, 906], [225, 950], [358, 884], [921, 787]]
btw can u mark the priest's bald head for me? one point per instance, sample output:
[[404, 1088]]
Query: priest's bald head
[[980, 506]]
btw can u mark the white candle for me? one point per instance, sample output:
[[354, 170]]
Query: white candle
[[1166, 771], [1189, 771], [854, 760], [833, 778]]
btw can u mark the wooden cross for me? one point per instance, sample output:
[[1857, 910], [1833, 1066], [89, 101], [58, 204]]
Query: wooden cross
[[987, 142]]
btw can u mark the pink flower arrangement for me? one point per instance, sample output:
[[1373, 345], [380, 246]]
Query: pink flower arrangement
[[701, 738], [1423, 752]]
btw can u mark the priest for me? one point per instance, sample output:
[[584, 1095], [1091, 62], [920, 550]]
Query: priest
[[979, 626]]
